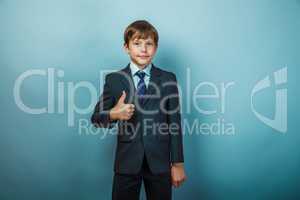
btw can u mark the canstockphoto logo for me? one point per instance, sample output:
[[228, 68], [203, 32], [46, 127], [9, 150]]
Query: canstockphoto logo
[[279, 122]]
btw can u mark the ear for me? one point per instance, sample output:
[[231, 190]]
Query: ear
[[126, 48]]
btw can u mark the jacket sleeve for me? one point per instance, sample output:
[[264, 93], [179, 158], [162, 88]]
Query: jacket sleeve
[[174, 120], [100, 117]]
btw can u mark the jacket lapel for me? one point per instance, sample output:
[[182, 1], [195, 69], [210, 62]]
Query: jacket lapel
[[128, 83], [154, 83]]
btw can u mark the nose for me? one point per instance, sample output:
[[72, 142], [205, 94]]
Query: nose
[[143, 48]]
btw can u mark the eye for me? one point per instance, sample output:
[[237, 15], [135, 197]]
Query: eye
[[149, 43], [136, 43]]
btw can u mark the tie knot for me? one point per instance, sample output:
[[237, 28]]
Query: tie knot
[[140, 74]]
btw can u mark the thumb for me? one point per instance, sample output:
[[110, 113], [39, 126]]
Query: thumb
[[122, 97]]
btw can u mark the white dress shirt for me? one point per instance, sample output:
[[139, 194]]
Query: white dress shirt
[[134, 68]]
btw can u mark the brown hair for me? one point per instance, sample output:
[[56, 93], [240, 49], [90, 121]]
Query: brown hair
[[140, 29]]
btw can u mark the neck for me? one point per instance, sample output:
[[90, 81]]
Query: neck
[[141, 67]]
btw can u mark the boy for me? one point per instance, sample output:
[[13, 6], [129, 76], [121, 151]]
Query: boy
[[144, 100]]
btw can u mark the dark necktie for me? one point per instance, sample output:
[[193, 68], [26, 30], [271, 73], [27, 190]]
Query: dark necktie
[[141, 87]]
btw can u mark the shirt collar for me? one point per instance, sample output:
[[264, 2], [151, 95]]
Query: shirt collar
[[134, 68]]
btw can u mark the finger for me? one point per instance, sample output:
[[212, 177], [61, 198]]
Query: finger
[[130, 106], [129, 117], [176, 184], [128, 114], [126, 117], [128, 110], [173, 183], [122, 97], [182, 180]]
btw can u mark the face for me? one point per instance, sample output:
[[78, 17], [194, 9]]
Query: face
[[141, 51]]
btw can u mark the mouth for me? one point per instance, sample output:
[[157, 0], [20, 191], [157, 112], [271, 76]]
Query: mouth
[[143, 57]]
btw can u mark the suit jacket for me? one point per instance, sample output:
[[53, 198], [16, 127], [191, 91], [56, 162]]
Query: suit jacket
[[155, 127]]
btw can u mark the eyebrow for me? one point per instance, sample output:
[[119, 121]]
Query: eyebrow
[[147, 40]]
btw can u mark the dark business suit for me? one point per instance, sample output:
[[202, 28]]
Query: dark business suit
[[143, 146]]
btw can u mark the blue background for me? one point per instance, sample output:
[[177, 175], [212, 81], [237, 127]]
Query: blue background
[[41, 157]]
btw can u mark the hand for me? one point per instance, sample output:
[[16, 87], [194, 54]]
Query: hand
[[121, 111], [177, 174]]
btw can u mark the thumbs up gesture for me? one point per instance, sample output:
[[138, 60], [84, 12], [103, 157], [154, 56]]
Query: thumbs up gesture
[[121, 111]]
